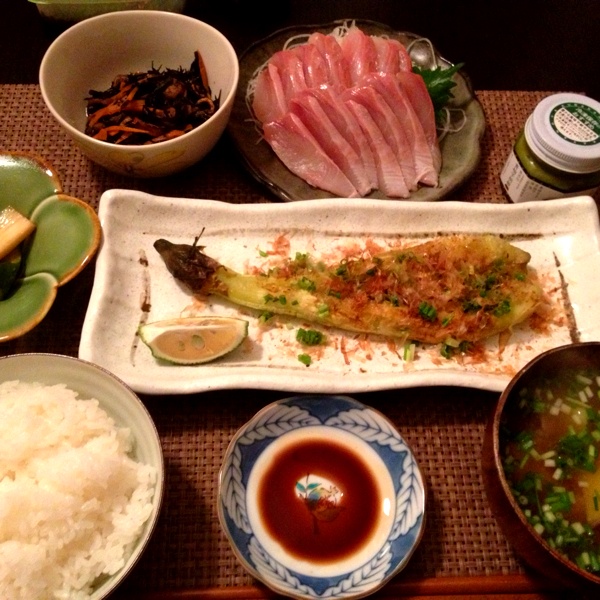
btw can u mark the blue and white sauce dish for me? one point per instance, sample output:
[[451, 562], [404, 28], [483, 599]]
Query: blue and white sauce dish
[[320, 497]]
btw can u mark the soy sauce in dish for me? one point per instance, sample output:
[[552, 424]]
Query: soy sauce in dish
[[550, 442], [319, 500]]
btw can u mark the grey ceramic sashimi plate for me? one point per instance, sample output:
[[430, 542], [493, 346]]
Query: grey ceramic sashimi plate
[[461, 150], [132, 284]]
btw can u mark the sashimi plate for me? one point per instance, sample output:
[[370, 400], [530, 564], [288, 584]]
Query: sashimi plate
[[132, 286], [461, 149]]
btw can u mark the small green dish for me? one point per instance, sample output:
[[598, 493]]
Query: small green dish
[[66, 237]]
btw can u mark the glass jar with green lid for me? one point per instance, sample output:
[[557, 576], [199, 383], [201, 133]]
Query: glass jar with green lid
[[557, 154]]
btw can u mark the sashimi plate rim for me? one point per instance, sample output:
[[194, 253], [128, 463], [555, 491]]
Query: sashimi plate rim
[[461, 150], [132, 284]]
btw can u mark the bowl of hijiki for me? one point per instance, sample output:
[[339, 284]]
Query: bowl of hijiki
[[541, 464], [320, 496], [142, 93], [81, 478]]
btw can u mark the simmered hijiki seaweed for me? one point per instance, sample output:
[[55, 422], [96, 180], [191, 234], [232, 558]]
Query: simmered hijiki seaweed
[[152, 106], [551, 442]]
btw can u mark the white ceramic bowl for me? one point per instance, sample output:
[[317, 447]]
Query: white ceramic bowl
[[122, 404], [90, 54]]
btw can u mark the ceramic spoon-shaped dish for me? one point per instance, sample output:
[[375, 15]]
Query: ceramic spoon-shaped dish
[[66, 237]]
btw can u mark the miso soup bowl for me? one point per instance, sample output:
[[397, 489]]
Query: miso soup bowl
[[320, 497], [509, 512], [90, 54]]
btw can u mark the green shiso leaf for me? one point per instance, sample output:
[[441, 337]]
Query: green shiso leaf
[[439, 84]]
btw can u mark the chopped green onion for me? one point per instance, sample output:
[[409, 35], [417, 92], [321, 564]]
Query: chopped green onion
[[323, 310], [409, 352], [305, 359], [265, 316], [539, 528], [309, 337], [578, 528], [304, 283], [427, 311]]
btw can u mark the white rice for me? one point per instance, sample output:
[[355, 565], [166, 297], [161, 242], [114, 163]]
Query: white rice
[[72, 500]]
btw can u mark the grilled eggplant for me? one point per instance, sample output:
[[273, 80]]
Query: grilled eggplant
[[459, 287]]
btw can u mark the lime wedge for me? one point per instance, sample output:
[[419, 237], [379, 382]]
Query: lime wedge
[[193, 340], [9, 269]]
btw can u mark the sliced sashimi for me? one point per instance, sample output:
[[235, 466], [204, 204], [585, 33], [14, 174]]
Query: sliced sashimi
[[339, 75], [316, 72], [297, 148], [416, 91], [312, 114], [352, 103], [346, 123], [291, 72], [393, 93], [392, 56], [359, 52], [390, 126], [390, 177], [269, 102]]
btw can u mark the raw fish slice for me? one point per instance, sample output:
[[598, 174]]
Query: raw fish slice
[[389, 173], [416, 91], [359, 53], [389, 87], [308, 109], [392, 56], [291, 72], [390, 127], [316, 73], [346, 123], [301, 153], [269, 101], [339, 75]]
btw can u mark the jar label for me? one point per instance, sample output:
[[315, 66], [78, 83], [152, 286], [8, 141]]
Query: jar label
[[576, 123], [520, 187]]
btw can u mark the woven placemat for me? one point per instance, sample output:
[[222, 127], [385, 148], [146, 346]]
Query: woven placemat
[[26, 125], [461, 536], [188, 549]]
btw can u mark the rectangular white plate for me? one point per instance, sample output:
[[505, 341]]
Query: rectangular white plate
[[562, 237]]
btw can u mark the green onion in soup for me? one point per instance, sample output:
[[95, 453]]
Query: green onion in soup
[[551, 441]]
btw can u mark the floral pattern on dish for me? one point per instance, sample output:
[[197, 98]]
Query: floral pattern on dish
[[368, 431]]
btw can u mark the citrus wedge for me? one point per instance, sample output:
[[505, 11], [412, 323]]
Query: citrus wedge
[[193, 340]]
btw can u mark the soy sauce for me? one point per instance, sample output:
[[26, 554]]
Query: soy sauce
[[319, 524]]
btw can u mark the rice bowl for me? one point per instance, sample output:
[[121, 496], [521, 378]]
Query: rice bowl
[[80, 478]]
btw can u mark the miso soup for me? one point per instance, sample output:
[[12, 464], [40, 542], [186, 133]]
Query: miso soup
[[550, 442]]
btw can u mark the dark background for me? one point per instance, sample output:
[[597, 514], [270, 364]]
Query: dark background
[[506, 45]]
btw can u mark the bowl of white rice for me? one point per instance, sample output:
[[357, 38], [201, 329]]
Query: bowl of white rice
[[81, 478]]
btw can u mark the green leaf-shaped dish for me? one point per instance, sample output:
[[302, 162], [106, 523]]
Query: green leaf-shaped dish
[[66, 237]]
